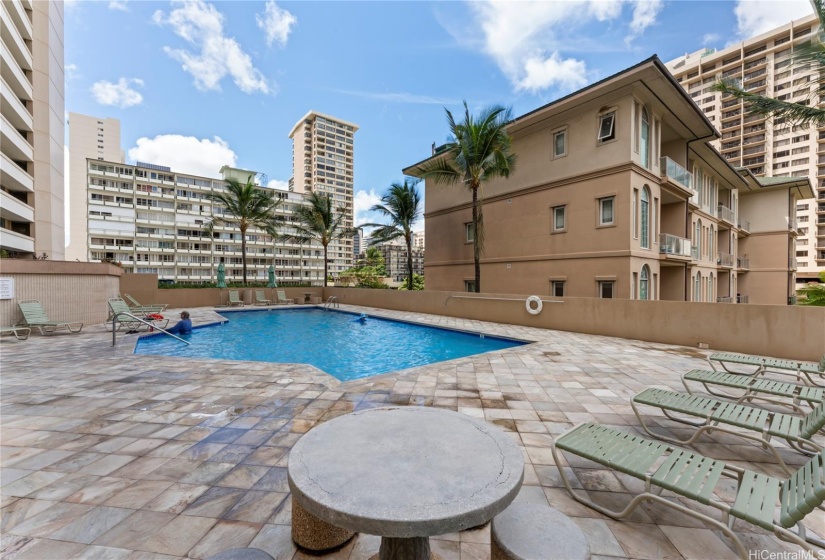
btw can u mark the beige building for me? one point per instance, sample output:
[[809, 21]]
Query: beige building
[[394, 254], [89, 138], [418, 240], [322, 161], [150, 219], [768, 148], [617, 193], [31, 128]]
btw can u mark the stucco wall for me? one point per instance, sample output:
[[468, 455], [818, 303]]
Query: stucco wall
[[782, 331], [69, 291]]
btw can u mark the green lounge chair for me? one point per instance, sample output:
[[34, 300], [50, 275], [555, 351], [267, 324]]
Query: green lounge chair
[[809, 373], [119, 308], [720, 416], [695, 477], [34, 317], [756, 389], [235, 298], [260, 299], [136, 305], [282, 299], [20, 333]]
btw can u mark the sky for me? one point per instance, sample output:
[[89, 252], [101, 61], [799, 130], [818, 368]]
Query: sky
[[197, 85]]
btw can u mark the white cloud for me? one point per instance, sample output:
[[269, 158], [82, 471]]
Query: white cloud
[[276, 23], [122, 94], [278, 184], [121, 5], [217, 56], [754, 17], [364, 200], [185, 154], [527, 40], [710, 38], [70, 71]]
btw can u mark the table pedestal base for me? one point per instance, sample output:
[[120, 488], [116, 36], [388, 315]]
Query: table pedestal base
[[416, 548], [311, 533]]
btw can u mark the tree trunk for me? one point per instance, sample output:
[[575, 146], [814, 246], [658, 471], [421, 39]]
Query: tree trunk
[[409, 262], [325, 266], [243, 254], [476, 253]]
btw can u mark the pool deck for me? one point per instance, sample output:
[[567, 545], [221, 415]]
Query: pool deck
[[111, 455]]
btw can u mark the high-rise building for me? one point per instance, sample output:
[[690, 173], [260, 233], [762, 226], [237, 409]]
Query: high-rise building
[[322, 161], [418, 240], [767, 147], [31, 129], [394, 254], [619, 194], [150, 219], [356, 243], [89, 138]]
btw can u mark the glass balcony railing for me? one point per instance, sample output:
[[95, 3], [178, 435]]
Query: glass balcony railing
[[694, 253], [725, 213], [724, 259], [724, 299], [674, 245], [676, 172], [743, 262], [742, 298], [744, 225]]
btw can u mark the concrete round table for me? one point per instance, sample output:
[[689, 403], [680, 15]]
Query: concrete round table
[[405, 473]]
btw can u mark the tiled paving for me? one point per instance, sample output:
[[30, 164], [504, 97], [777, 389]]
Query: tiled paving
[[114, 456]]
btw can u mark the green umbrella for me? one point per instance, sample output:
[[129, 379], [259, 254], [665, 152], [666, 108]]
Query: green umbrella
[[221, 276], [272, 282]]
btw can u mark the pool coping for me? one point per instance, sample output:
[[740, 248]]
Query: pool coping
[[131, 345]]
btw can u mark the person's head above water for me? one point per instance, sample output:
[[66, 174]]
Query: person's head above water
[[184, 314]]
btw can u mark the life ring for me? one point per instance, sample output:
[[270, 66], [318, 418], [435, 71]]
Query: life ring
[[528, 303]]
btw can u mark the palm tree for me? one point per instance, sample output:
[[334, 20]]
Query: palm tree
[[318, 220], [478, 152], [246, 205], [795, 113], [402, 205]]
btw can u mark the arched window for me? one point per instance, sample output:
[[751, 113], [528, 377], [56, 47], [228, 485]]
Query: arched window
[[697, 239], [711, 288], [645, 219], [644, 283], [697, 287], [644, 148], [711, 242]]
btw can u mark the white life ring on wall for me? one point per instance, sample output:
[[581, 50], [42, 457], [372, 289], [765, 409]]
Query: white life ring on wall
[[528, 303]]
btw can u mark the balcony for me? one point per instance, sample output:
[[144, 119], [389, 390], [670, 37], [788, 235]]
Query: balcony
[[724, 299], [792, 263], [676, 173], [741, 298], [724, 260], [694, 253], [726, 214], [744, 225], [674, 246], [743, 263]]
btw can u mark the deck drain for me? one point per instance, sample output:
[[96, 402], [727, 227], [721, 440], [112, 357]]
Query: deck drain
[[286, 381]]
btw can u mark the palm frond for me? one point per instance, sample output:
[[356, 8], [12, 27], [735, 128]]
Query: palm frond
[[797, 113]]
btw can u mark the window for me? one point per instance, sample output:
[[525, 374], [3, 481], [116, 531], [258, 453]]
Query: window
[[644, 283], [560, 218], [560, 143], [645, 219], [469, 285], [469, 232], [635, 214], [606, 289], [645, 139], [606, 210], [557, 288], [606, 127]]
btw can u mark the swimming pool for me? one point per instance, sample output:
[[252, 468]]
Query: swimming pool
[[333, 341]]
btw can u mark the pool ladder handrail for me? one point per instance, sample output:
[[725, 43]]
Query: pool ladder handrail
[[332, 300], [116, 316]]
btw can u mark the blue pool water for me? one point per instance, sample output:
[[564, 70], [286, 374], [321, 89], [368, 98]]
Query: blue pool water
[[335, 342]]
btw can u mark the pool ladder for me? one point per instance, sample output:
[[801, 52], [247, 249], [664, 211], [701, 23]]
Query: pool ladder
[[331, 301]]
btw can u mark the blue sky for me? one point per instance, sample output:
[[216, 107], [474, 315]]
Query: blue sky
[[200, 84]]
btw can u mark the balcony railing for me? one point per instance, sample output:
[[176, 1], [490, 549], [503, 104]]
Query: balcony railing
[[792, 263], [676, 172], [744, 225], [725, 299], [743, 262], [725, 213], [792, 223], [724, 259], [742, 298], [674, 245], [694, 253]]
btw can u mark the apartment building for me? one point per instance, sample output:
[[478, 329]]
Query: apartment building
[[322, 161], [618, 193], [31, 128], [150, 219], [418, 240], [89, 138], [768, 148], [395, 259]]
